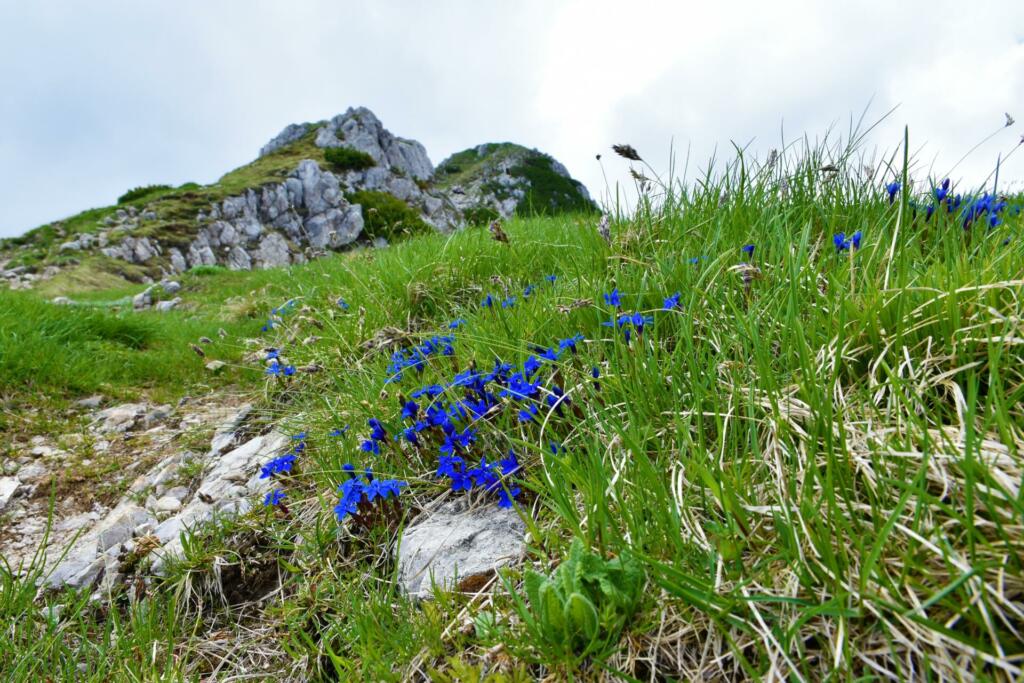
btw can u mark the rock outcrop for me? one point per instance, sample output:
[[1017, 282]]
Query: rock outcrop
[[500, 180]]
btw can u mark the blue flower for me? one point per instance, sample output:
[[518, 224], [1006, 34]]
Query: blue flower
[[942, 191], [370, 446], [531, 366], [377, 432], [892, 188], [456, 324], [429, 390], [548, 354], [272, 354], [488, 301], [278, 465], [274, 497], [339, 432], [409, 410], [410, 435], [528, 413], [569, 344], [842, 242], [748, 249], [613, 298], [509, 302], [342, 304], [551, 278], [672, 302], [528, 291], [694, 259]]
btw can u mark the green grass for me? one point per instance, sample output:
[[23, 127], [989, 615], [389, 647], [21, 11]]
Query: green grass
[[815, 461]]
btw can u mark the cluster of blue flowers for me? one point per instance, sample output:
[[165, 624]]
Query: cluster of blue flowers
[[364, 491], [416, 358], [284, 463], [277, 313], [844, 243], [275, 367], [988, 209]]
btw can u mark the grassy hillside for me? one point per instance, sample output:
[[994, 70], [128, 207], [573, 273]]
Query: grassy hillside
[[774, 428]]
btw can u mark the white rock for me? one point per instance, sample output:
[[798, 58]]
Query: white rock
[[455, 542], [167, 504], [8, 487]]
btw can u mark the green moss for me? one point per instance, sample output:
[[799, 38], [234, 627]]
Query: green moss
[[348, 159], [386, 216]]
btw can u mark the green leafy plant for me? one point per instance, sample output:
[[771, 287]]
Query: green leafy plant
[[584, 604], [348, 159]]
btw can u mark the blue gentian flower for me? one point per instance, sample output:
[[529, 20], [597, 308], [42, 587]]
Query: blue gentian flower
[[274, 497], [528, 291], [272, 354], [509, 302], [409, 410], [942, 191], [278, 465], [531, 366], [528, 413], [613, 298], [488, 301], [377, 432], [456, 324], [342, 304], [892, 188], [370, 446], [339, 432], [748, 249], [672, 302], [570, 343], [551, 278]]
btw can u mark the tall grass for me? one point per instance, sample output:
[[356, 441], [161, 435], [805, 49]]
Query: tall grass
[[815, 459]]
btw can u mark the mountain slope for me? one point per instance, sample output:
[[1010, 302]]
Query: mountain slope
[[315, 187]]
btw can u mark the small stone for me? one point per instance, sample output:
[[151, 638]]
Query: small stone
[[31, 472], [170, 286], [167, 504], [170, 305], [61, 301], [179, 492], [8, 487], [94, 401], [215, 366]]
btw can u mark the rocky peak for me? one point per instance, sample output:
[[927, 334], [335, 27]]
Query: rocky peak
[[360, 129]]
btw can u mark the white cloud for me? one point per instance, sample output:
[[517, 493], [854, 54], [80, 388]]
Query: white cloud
[[99, 97]]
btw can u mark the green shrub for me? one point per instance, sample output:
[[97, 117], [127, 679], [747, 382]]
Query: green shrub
[[140, 192], [480, 215], [386, 216], [348, 159]]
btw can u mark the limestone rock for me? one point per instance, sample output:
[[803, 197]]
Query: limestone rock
[[8, 487], [455, 542], [286, 137], [169, 305], [120, 418]]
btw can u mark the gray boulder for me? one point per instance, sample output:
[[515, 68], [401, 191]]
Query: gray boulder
[[458, 541]]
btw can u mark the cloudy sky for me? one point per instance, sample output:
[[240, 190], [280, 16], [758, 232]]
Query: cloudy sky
[[101, 96]]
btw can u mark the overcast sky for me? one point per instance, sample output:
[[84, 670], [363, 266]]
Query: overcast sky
[[98, 97]]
